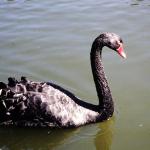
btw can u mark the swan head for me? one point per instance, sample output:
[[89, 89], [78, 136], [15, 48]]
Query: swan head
[[114, 42]]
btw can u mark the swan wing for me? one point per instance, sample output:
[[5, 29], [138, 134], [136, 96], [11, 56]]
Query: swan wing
[[28, 103]]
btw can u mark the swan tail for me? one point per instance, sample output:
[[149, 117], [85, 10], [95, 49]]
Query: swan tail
[[16, 97], [11, 96]]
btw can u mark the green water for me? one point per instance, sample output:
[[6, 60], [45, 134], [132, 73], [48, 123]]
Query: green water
[[51, 40]]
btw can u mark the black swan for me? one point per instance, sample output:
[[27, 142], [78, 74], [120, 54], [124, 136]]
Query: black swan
[[44, 104]]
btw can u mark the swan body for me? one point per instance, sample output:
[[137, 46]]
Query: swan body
[[44, 104]]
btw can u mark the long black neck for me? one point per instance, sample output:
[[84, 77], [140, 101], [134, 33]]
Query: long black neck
[[103, 90]]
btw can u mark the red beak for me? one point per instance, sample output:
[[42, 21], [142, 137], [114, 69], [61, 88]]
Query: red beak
[[121, 52]]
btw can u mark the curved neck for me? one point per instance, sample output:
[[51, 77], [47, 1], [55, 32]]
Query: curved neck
[[103, 91]]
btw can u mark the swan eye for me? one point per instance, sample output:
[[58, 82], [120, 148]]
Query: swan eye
[[121, 41]]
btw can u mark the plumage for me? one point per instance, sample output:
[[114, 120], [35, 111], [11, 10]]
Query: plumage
[[44, 104]]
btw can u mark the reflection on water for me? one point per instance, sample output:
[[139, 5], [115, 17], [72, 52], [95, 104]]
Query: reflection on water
[[16, 138], [51, 40], [42, 139], [104, 137], [136, 2]]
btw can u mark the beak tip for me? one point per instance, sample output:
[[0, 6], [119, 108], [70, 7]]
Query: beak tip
[[121, 52], [124, 55]]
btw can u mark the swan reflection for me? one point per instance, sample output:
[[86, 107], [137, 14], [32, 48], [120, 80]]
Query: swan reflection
[[103, 138]]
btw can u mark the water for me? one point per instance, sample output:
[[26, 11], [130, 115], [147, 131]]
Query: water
[[51, 40]]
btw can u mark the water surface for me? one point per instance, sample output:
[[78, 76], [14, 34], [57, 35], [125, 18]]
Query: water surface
[[51, 40]]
